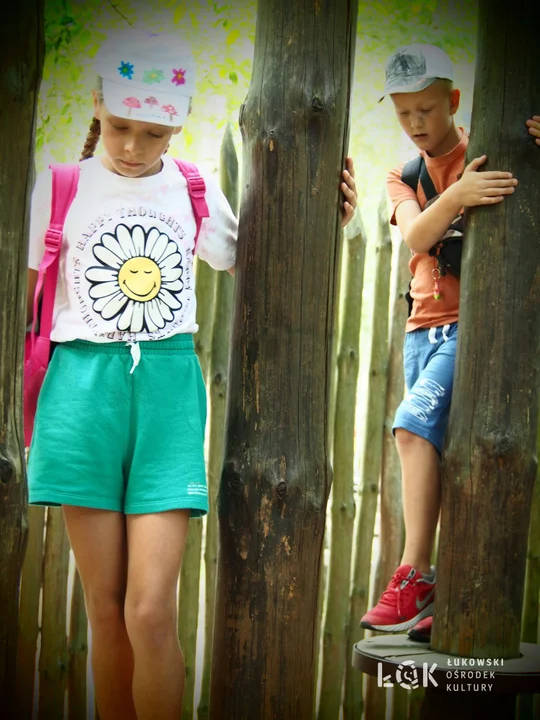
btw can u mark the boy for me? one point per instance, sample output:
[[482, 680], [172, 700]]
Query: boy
[[419, 79]]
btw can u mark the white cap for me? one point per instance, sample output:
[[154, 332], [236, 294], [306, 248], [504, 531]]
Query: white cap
[[146, 76], [412, 68]]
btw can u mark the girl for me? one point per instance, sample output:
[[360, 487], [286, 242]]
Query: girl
[[119, 430]]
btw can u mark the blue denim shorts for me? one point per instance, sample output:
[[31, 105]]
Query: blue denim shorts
[[429, 356]]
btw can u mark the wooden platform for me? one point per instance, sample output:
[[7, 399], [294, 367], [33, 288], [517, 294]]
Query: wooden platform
[[390, 658]]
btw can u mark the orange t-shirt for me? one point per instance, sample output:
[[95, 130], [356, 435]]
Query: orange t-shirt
[[428, 312]]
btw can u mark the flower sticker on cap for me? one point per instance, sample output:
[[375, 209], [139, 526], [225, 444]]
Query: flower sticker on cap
[[170, 110], [153, 76], [179, 77], [131, 102], [126, 70]]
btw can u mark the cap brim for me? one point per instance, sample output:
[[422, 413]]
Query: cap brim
[[145, 105], [395, 88]]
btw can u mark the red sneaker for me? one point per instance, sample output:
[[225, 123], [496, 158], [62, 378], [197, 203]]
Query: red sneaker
[[421, 632], [407, 600]]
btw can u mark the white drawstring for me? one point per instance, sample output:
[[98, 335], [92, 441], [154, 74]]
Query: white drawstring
[[445, 330], [432, 335], [135, 354]]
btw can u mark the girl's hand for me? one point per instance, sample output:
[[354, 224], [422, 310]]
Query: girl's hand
[[348, 188], [483, 188], [534, 127]]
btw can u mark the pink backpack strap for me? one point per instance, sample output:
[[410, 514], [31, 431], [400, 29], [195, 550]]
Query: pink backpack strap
[[196, 189], [65, 179]]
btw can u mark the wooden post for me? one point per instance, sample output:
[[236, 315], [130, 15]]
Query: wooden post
[[219, 380], [391, 534], [54, 656], [489, 466], [190, 573], [21, 61], [392, 531], [30, 589], [78, 652], [371, 466], [276, 476], [343, 506]]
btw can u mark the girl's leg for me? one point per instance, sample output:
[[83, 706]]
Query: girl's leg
[[421, 493], [98, 539], [155, 549]]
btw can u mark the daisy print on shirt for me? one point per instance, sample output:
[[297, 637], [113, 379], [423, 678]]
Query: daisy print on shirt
[[137, 279], [132, 274]]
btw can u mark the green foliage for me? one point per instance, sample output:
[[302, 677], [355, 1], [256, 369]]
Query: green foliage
[[221, 35]]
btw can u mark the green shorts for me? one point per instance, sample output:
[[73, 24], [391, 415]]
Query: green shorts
[[110, 439]]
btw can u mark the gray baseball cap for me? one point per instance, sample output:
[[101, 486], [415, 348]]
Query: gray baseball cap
[[412, 68]]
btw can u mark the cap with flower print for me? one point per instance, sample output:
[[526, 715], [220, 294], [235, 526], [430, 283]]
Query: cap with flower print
[[146, 76]]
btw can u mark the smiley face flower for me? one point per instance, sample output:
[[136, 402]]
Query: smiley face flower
[[137, 280]]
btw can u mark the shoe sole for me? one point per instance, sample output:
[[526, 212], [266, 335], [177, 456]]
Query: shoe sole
[[407, 625]]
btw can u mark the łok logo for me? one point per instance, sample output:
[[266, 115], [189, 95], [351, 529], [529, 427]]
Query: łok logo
[[407, 676]]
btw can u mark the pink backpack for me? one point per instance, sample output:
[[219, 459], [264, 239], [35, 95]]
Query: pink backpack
[[37, 352]]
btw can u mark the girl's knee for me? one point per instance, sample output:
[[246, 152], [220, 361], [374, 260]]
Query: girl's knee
[[105, 610], [150, 620]]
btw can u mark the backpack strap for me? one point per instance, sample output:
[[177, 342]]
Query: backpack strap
[[196, 189], [415, 170], [65, 179]]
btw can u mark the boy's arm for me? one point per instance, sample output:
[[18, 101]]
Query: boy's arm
[[421, 230]]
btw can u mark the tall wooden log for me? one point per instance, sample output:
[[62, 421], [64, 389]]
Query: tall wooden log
[[276, 475], [21, 62], [392, 531], [78, 652], [190, 574], [531, 603], [343, 505], [188, 612], [489, 466], [371, 469], [391, 513], [205, 282], [32, 575], [53, 657], [400, 703], [219, 380], [530, 626]]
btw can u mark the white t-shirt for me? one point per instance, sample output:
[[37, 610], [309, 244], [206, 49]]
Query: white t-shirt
[[126, 266]]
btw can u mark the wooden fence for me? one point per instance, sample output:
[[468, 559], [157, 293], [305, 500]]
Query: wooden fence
[[364, 525]]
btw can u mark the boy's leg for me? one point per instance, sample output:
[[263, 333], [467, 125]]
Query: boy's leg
[[420, 428], [421, 493], [156, 545], [98, 539]]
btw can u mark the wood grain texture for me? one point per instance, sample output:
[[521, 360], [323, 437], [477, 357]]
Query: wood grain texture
[[276, 475], [490, 462], [21, 61]]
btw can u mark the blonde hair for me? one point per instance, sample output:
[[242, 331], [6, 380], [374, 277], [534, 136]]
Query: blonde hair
[[94, 131], [444, 83]]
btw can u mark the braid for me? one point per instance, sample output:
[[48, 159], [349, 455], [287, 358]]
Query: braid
[[91, 139]]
